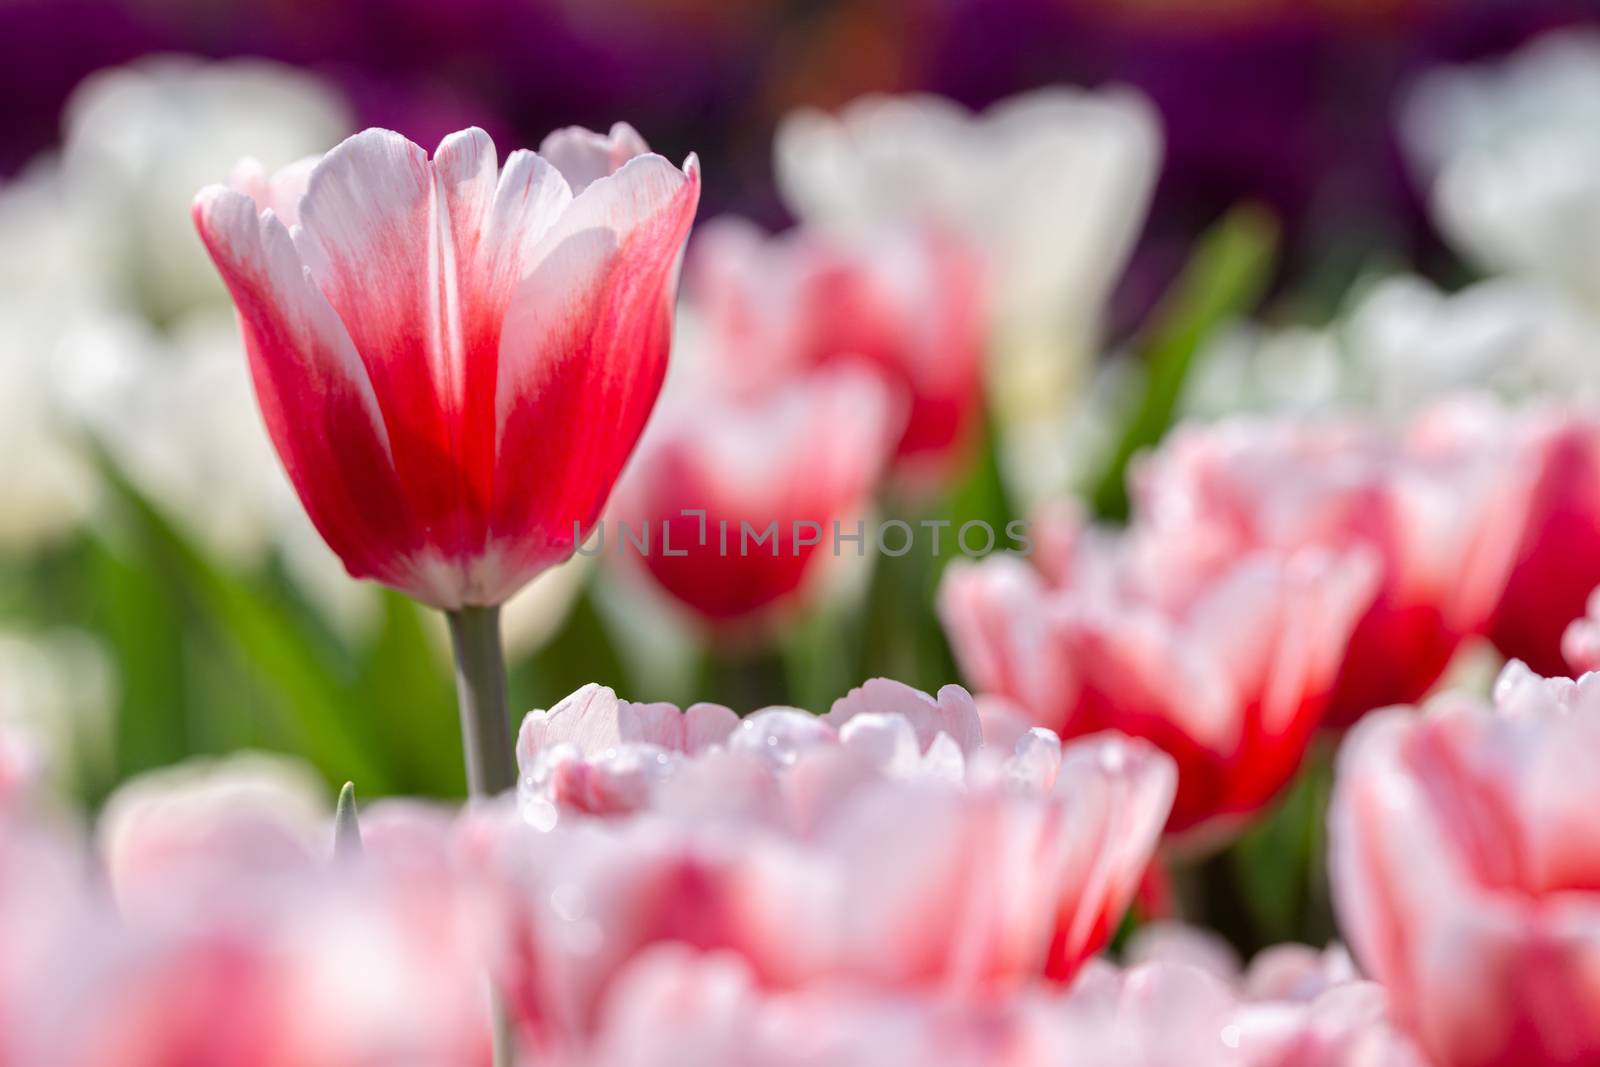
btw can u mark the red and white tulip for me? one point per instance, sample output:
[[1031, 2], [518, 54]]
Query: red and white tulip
[[1225, 661], [454, 359], [1466, 869]]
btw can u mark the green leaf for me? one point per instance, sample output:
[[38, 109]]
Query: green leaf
[[130, 608], [1277, 863], [1227, 273], [346, 826], [407, 691], [290, 670], [981, 493]]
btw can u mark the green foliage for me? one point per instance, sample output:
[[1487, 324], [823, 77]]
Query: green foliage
[[297, 680], [1225, 276]]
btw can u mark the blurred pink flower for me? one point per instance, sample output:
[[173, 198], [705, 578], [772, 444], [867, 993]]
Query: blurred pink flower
[[1580, 643], [904, 303], [1223, 660], [21, 766], [1443, 504], [348, 967], [226, 946], [1466, 869], [732, 503], [454, 360], [1558, 561], [882, 844], [44, 896], [719, 1014], [1297, 1006], [173, 839]]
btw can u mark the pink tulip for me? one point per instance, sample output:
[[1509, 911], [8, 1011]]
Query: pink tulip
[[1297, 1006], [1148, 1016], [44, 897], [453, 359], [21, 767], [1223, 661], [175, 839], [733, 504], [719, 1014], [883, 845], [1466, 870], [1558, 561], [1580, 643], [343, 970], [1443, 505], [224, 947], [906, 305]]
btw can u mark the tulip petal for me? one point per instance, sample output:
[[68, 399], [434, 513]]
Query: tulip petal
[[307, 372], [583, 352], [380, 245], [583, 156]]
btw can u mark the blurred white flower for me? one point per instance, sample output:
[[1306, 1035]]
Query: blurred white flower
[[1411, 342], [176, 410], [51, 243], [141, 139], [1051, 187], [1250, 366], [57, 689], [1402, 344], [49, 485], [1510, 154]]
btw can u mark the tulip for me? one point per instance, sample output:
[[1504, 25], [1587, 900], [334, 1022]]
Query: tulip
[[251, 982], [1411, 344], [454, 365], [173, 837], [732, 505], [719, 1014], [1465, 870], [1508, 156], [228, 926], [1442, 503], [1580, 644], [1224, 661], [454, 360], [906, 304], [19, 765], [1558, 561], [43, 900], [1050, 187], [1151, 1014], [884, 845]]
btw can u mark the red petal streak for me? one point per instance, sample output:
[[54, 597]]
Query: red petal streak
[[582, 356], [317, 402]]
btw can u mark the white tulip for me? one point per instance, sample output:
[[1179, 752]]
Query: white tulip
[[1510, 154]]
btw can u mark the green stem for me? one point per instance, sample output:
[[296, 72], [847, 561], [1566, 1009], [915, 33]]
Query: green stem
[[486, 744], [481, 697]]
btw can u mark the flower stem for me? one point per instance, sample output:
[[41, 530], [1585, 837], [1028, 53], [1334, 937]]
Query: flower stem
[[481, 696], [486, 744]]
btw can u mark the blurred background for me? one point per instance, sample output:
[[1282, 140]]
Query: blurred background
[[160, 594]]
